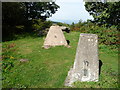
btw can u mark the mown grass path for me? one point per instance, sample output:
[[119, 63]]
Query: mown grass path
[[49, 68]]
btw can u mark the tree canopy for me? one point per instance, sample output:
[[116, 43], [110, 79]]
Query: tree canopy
[[14, 12], [41, 10], [104, 12], [23, 14]]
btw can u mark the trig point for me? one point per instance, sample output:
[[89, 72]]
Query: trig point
[[55, 37], [86, 64]]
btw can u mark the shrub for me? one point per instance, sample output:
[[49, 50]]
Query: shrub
[[40, 26], [62, 24], [107, 36]]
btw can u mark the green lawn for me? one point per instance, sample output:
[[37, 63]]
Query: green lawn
[[49, 68]]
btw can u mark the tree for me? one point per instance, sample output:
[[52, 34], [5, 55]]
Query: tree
[[104, 12], [12, 13], [23, 13], [40, 10]]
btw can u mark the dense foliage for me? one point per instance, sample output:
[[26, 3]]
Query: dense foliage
[[107, 13], [41, 10], [40, 27], [107, 36], [18, 17]]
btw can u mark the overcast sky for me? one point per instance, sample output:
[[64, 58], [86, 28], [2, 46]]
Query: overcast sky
[[70, 11]]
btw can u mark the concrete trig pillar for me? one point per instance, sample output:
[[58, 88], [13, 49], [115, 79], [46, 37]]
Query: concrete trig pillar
[[86, 65]]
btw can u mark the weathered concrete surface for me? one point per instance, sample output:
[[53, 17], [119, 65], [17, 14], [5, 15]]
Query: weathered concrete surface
[[55, 37], [86, 65]]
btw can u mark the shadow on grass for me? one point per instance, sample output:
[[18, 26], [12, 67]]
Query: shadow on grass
[[100, 65], [68, 42]]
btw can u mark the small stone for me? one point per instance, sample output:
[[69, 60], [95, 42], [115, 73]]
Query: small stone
[[68, 46], [47, 46], [24, 60]]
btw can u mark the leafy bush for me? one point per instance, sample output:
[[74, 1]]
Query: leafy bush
[[40, 26], [62, 24], [107, 36]]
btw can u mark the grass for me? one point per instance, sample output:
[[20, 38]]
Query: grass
[[49, 68], [109, 72]]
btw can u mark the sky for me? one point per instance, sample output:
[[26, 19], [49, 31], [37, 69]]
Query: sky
[[70, 11]]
